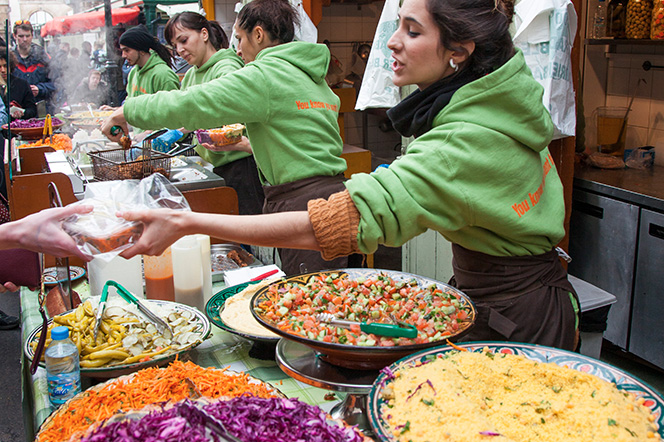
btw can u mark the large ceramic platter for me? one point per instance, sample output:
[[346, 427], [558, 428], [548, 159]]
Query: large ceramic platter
[[105, 414], [110, 371], [364, 357], [623, 380], [215, 306]]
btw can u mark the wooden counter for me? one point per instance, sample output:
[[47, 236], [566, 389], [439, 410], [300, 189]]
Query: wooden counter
[[357, 159]]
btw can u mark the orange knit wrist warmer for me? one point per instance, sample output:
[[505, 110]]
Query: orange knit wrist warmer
[[335, 222]]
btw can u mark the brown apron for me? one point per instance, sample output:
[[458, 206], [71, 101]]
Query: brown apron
[[518, 298], [294, 197]]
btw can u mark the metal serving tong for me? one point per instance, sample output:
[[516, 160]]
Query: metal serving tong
[[163, 328], [48, 128], [212, 423], [400, 330]]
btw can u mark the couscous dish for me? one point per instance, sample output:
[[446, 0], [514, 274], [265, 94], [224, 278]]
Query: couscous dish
[[479, 396]]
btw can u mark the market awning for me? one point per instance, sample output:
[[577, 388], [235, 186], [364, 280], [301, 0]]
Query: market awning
[[71, 24]]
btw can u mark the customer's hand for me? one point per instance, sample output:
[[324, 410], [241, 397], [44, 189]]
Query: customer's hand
[[9, 287], [42, 232], [17, 113]]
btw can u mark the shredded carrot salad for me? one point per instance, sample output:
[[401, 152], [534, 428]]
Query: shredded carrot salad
[[58, 142], [148, 386]]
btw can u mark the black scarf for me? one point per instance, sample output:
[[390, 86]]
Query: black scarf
[[414, 114]]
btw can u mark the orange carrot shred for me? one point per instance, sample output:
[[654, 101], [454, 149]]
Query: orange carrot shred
[[456, 347]]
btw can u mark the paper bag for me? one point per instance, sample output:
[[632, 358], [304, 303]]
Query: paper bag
[[544, 31], [377, 89]]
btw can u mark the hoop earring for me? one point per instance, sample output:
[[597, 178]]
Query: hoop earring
[[454, 66]]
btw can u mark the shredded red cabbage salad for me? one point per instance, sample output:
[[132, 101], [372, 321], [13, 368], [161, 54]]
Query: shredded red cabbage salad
[[248, 418], [253, 419], [32, 122], [169, 425]]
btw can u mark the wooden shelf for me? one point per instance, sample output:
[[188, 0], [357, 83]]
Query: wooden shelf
[[622, 41]]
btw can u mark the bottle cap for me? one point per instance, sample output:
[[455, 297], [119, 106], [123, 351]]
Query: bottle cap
[[59, 333]]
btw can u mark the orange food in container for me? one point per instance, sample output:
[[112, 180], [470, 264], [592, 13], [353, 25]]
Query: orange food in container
[[220, 137]]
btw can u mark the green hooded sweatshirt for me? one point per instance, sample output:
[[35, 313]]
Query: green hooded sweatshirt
[[482, 176], [223, 62], [154, 76], [282, 98]]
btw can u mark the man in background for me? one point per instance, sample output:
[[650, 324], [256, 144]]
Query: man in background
[[61, 74], [86, 52], [32, 63]]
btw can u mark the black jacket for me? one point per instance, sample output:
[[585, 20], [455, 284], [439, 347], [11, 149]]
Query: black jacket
[[21, 93]]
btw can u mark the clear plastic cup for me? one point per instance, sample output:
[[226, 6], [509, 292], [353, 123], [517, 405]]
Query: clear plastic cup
[[611, 125]]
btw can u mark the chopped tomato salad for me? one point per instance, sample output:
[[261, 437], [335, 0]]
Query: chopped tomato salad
[[436, 312]]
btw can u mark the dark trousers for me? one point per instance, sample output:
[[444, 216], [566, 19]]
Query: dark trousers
[[242, 175]]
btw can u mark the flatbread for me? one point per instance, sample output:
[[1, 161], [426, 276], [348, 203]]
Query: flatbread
[[236, 313]]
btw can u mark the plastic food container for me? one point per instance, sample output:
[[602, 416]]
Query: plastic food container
[[220, 137]]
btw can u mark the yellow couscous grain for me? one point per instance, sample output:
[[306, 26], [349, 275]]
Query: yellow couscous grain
[[481, 396]]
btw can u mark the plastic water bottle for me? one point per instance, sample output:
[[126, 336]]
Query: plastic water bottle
[[63, 373], [599, 21]]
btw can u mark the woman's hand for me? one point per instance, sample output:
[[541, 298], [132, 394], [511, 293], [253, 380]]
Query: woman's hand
[[42, 232], [162, 228], [106, 107], [116, 119], [243, 145]]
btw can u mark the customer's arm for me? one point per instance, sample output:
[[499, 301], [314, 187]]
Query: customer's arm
[[42, 232]]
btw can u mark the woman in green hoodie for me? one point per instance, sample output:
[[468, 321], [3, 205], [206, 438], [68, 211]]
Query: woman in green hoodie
[[204, 45], [479, 172], [282, 98]]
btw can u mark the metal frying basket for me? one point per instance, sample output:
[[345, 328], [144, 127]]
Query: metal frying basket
[[116, 164]]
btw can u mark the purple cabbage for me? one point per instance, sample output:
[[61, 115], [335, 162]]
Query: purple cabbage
[[32, 122], [420, 386], [253, 419], [389, 374], [248, 418], [159, 426]]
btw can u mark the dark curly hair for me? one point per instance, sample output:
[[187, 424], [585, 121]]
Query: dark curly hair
[[484, 22]]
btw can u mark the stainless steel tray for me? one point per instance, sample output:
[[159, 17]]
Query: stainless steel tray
[[221, 261]]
